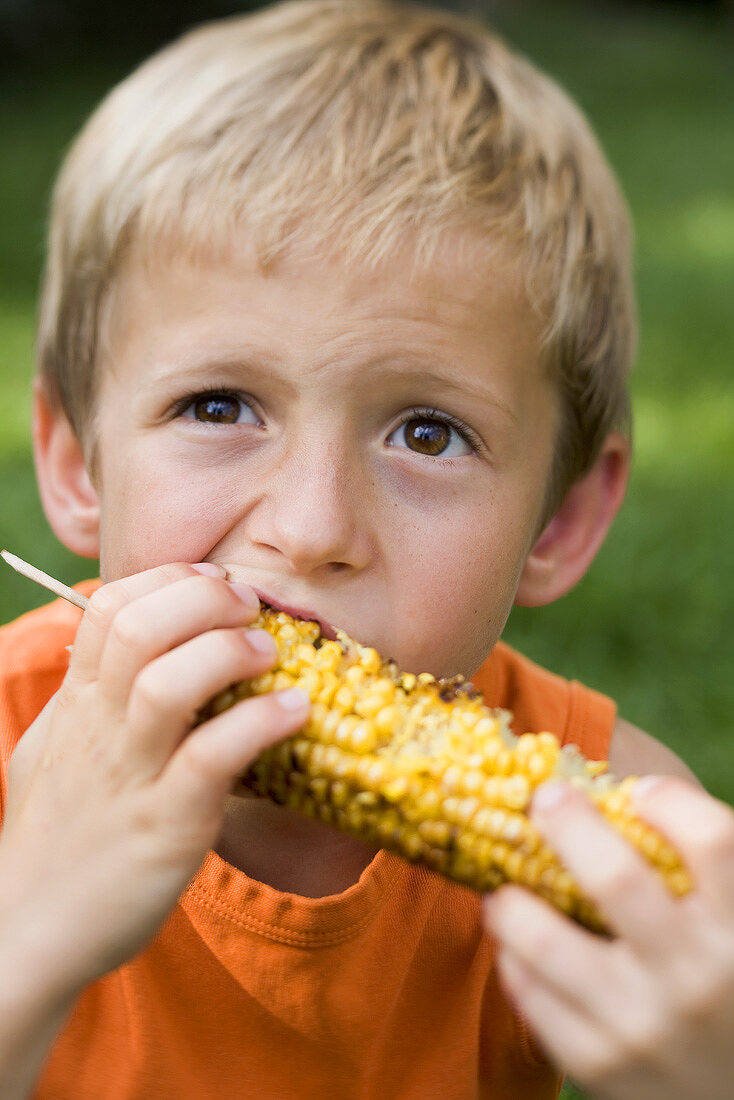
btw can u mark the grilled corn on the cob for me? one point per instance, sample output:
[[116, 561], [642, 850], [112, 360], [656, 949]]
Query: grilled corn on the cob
[[422, 767]]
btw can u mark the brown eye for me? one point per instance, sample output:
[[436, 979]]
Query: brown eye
[[217, 408], [428, 437]]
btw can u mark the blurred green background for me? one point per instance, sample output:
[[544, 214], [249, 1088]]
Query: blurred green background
[[652, 623]]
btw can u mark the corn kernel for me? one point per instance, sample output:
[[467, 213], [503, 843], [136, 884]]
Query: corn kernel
[[431, 773]]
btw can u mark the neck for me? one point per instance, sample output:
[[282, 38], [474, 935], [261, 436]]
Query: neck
[[287, 851]]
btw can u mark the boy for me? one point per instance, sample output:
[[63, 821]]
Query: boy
[[337, 308]]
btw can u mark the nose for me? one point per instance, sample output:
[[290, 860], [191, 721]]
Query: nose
[[314, 512]]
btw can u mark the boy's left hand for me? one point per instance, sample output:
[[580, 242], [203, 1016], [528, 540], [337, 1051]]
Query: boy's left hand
[[650, 1013]]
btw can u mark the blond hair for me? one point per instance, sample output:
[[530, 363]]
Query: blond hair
[[375, 124]]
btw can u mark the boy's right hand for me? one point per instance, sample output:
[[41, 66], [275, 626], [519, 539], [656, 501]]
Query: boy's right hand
[[114, 797]]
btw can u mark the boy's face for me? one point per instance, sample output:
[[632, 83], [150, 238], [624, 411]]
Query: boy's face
[[368, 448]]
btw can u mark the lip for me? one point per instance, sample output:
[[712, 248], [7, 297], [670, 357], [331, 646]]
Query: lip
[[327, 630], [234, 573]]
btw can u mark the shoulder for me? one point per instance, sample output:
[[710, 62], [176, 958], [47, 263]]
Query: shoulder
[[634, 752], [541, 700]]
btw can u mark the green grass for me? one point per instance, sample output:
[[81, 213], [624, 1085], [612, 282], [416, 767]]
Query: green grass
[[652, 623]]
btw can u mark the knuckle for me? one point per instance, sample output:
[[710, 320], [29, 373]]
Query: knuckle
[[643, 1035], [211, 589], [235, 647], [539, 940], [144, 820], [618, 1053], [128, 631], [702, 999], [176, 571], [151, 691], [222, 600], [595, 1065], [617, 880], [718, 845], [104, 603], [200, 763]]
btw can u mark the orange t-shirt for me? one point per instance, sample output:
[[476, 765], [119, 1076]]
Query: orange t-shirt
[[384, 992]]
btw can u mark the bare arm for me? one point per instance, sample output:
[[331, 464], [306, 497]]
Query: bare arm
[[634, 752]]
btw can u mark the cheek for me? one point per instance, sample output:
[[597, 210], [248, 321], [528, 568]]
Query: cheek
[[149, 519], [458, 585]]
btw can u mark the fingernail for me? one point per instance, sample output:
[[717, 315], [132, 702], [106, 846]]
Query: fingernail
[[245, 593], [208, 569], [262, 642], [293, 699], [549, 795], [645, 784]]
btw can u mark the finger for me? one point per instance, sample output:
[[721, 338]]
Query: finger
[[570, 1038], [566, 956], [613, 874], [604, 981], [165, 618], [170, 691], [110, 598], [30, 751], [700, 828], [202, 770]]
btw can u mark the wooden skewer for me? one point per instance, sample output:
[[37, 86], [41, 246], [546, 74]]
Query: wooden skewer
[[37, 575]]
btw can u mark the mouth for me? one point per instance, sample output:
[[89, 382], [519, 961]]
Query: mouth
[[294, 610], [327, 630]]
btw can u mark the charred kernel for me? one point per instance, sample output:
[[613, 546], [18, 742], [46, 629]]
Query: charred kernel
[[424, 768]]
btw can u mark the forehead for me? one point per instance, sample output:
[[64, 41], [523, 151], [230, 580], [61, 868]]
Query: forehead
[[467, 298]]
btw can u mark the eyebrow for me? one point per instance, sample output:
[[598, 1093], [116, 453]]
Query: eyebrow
[[446, 382], [260, 360]]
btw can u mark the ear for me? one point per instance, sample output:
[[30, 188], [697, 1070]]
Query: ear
[[67, 494], [569, 543]]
